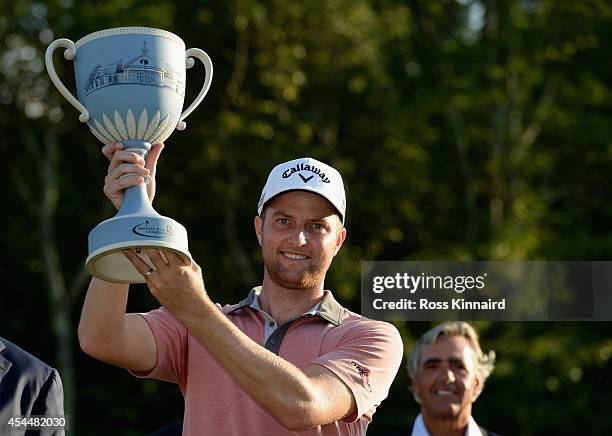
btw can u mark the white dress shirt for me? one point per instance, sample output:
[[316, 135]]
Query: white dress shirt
[[419, 429]]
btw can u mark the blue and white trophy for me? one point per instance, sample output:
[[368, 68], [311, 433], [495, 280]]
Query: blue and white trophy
[[131, 87]]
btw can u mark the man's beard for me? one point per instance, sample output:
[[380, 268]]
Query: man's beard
[[292, 279]]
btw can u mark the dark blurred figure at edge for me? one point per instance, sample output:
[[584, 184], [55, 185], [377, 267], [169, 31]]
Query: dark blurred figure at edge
[[28, 387]]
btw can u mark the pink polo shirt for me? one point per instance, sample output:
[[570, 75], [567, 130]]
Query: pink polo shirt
[[364, 354]]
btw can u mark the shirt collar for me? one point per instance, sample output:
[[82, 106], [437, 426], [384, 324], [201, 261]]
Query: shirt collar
[[419, 429], [328, 308], [313, 310]]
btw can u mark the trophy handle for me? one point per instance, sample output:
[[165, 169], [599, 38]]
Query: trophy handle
[[69, 54], [202, 56]]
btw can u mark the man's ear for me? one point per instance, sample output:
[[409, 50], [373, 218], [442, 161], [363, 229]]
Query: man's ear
[[477, 388], [340, 240], [258, 223], [415, 387]]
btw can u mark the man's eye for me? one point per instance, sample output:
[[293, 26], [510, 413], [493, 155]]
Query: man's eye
[[283, 221], [319, 227]]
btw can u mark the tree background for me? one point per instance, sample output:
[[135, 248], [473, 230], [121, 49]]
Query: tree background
[[465, 130]]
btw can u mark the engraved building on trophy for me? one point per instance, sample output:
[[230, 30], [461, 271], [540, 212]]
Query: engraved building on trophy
[[141, 69]]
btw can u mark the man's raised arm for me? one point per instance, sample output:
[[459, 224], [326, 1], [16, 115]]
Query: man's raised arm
[[106, 332]]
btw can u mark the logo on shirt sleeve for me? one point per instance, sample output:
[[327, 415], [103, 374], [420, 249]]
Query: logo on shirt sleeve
[[364, 373]]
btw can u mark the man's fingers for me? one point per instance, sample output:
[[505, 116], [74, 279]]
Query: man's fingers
[[115, 181], [120, 157], [173, 258], [155, 257], [123, 156], [109, 150], [140, 265], [113, 188], [153, 156], [127, 168]]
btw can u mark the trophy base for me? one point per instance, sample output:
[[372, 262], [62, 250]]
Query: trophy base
[[132, 231]]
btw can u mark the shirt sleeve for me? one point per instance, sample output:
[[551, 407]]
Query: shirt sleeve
[[171, 340], [366, 359]]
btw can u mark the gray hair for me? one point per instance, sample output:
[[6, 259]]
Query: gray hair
[[485, 363]]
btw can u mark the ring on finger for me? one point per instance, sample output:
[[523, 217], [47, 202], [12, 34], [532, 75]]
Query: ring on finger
[[148, 273]]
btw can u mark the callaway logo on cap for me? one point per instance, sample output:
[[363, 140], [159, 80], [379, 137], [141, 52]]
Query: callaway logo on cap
[[305, 174]]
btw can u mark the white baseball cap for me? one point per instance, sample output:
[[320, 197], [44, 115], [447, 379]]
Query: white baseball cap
[[305, 174]]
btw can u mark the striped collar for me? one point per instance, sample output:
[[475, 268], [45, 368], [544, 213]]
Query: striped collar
[[328, 308]]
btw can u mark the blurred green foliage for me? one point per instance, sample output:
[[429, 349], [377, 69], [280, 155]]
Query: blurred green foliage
[[465, 130]]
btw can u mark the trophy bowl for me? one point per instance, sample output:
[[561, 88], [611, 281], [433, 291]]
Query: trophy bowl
[[131, 87]]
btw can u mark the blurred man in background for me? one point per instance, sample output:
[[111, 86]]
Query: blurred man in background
[[448, 370]]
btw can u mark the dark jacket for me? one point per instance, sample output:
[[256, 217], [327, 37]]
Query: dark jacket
[[27, 387]]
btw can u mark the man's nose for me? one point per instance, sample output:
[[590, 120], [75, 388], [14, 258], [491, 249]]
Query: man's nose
[[448, 375], [298, 237]]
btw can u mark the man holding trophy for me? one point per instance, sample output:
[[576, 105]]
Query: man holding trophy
[[288, 357]]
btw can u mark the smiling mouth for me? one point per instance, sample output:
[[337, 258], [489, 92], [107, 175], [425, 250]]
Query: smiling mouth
[[444, 392], [293, 256]]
